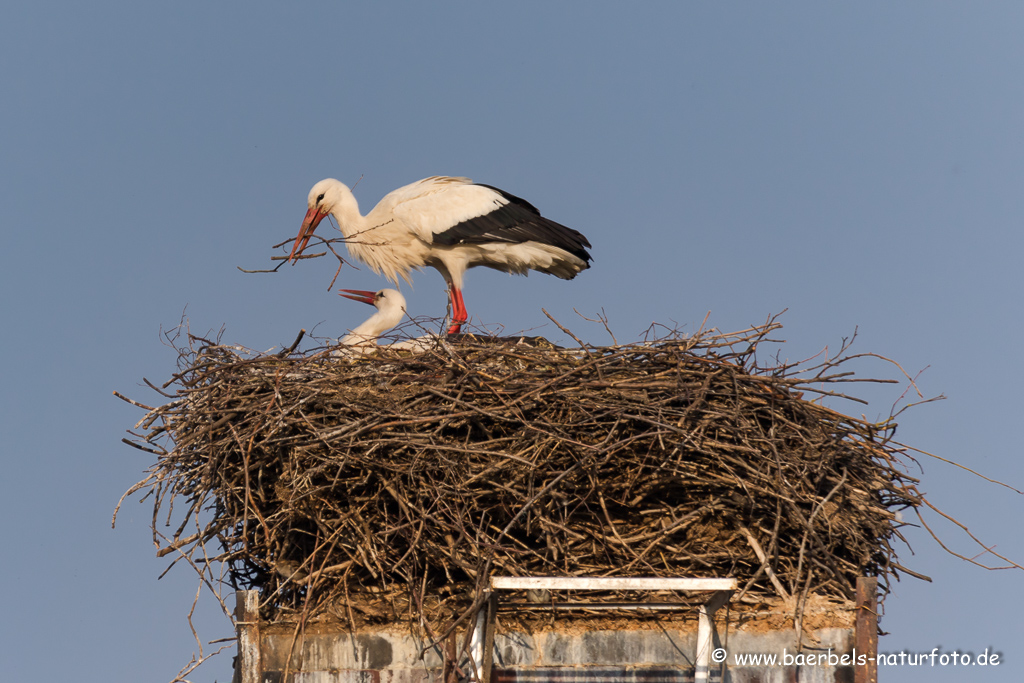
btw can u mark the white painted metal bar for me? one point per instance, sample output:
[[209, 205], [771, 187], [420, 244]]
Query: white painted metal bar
[[606, 606], [701, 670], [610, 583], [705, 633], [476, 643]]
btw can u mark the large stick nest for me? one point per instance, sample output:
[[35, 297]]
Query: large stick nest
[[317, 478]]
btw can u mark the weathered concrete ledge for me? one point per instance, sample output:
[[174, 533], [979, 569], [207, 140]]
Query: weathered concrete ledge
[[644, 656]]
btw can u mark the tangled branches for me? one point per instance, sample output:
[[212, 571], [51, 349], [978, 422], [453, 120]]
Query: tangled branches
[[396, 483]]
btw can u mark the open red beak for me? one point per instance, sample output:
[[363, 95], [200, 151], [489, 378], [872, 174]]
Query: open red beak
[[309, 223], [363, 295]]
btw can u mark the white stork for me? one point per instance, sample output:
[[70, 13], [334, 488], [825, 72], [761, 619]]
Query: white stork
[[390, 305], [449, 224]]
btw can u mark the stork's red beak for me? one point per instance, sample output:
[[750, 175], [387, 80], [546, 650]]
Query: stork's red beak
[[309, 223], [363, 295]]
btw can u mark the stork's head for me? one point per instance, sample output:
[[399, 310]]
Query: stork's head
[[324, 196], [385, 300], [390, 305]]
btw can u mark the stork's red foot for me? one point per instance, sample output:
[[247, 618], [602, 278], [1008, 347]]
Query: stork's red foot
[[459, 314]]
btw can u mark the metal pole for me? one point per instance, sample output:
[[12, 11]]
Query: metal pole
[[488, 660], [476, 643], [705, 632], [700, 675]]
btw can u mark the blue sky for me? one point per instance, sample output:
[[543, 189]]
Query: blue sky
[[860, 165]]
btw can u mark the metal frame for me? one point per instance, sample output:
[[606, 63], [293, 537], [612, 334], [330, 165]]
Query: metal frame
[[248, 668], [483, 648]]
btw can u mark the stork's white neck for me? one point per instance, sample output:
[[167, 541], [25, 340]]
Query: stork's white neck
[[346, 212], [377, 324]]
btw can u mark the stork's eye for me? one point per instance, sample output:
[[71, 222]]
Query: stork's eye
[[320, 198]]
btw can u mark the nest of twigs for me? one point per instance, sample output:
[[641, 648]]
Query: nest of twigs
[[326, 480]]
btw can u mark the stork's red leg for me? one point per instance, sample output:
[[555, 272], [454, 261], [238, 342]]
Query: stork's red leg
[[459, 314]]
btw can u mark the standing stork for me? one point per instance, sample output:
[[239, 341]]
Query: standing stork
[[450, 224]]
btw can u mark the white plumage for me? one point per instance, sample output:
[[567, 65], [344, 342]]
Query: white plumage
[[390, 305], [450, 224]]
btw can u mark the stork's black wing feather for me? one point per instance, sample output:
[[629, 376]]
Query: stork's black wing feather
[[516, 222]]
